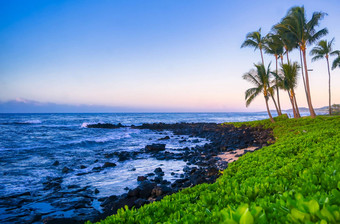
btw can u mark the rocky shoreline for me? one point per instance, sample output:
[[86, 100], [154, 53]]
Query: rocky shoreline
[[203, 164]]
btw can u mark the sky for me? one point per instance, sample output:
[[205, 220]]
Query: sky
[[164, 56]]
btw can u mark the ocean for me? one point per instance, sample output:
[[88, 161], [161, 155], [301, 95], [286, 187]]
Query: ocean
[[32, 144]]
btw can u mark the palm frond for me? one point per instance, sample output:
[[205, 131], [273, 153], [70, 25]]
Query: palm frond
[[315, 20], [249, 43], [336, 62], [322, 49], [273, 44], [259, 77], [251, 78], [254, 39], [317, 35], [250, 92], [290, 75], [317, 57], [334, 53], [252, 96]]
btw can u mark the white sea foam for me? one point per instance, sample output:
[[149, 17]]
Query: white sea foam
[[33, 122], [84, 125]]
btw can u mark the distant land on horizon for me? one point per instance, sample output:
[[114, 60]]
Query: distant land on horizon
[[30, 106]]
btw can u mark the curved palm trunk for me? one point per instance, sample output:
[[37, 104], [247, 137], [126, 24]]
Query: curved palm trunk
[[329, 87], [293, 106], [277, 90], [303, 75], [268, 111], [309, 100], [277, 109], [296, 106], [286, 48], [278, 101], [262, 56]]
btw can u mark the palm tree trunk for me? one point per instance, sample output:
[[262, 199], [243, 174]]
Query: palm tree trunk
[[329, 87], [296, 106], [270, 115], [293, 106], [277, 109], [286, 48], [287, 57], [277, 90], [281, 56], [262, 56], [303, 75], [309, 98], [278, 100]]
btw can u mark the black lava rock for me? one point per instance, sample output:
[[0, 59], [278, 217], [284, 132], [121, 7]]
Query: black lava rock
[[105, 125], [155, 147], [108, 164]]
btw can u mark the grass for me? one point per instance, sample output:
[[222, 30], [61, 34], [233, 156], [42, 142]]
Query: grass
[[295, 180]]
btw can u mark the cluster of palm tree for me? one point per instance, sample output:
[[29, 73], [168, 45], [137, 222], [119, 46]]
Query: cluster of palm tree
[[293, 32]]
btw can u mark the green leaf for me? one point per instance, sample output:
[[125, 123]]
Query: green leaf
[[325, 213], [323, 222], [313, 206], [247, 218], [297, 214], [242, 209]]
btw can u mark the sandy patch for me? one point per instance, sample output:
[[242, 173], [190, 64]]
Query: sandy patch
[[234, 155]]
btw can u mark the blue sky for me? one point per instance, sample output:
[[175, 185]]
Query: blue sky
[[168, 55]]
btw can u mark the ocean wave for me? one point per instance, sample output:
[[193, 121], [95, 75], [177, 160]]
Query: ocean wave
[[99, 140], [85, 124], [22, 122], [29, 122], [85, 143]]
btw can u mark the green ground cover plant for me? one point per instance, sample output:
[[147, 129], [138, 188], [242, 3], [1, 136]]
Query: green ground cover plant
[[294, 180]]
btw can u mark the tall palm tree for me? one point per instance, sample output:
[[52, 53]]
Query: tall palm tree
[[260, 79], [289, 83], [274, 46], [290, 42], [255, 40], [323, 50], [304, 32]]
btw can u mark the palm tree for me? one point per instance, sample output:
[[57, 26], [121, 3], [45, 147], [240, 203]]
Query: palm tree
[[260, 78], [288, 40], [323, 50], [304, 32], [289, 83], [274, 46], [255, 40]]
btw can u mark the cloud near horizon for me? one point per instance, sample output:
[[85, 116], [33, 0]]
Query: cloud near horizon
[[21, 105]]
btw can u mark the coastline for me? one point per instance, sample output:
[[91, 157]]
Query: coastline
[[204, 163], [297, 174]]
